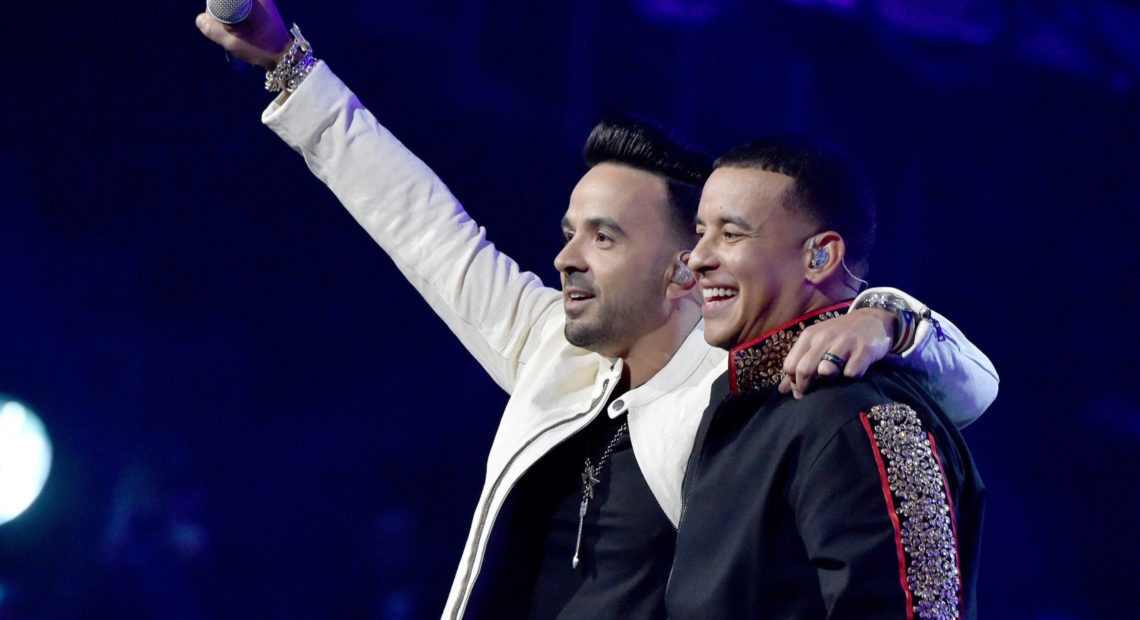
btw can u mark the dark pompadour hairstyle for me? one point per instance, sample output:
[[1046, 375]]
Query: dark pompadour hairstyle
[[647, 145], [830, 186]]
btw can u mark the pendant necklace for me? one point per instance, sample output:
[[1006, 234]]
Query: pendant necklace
[[590, 479]]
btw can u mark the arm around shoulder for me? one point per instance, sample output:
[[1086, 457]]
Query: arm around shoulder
[[960, 377]]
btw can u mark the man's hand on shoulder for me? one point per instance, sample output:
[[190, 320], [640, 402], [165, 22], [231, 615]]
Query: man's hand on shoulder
[[845, 345]]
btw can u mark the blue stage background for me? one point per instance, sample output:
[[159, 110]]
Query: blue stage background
[[254, 415]]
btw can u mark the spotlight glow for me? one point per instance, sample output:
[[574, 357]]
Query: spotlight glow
[[25, 458]]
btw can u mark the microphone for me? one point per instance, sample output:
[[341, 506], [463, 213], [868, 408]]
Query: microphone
[[229, 11]]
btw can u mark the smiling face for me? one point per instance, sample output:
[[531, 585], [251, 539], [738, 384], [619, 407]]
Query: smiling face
[[617, 255], [751, 259]]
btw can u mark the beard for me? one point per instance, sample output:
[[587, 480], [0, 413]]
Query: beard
[[589, 335], [610, 333]]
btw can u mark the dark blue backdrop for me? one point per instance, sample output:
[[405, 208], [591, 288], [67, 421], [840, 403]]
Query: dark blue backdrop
[[255, 416]]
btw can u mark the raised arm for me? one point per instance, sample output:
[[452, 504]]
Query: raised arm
[[488, 302], [886, 323]]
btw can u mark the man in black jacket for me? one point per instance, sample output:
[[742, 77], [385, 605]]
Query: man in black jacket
[[859, 500]]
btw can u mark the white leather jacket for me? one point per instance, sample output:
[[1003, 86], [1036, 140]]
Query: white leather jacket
[[513, 324]]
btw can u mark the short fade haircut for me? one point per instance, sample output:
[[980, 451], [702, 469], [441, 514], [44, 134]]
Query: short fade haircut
[[648, 146], [830, 186]]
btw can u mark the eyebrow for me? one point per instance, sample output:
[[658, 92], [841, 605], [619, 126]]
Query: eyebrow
[[729, 219], [597, 222]]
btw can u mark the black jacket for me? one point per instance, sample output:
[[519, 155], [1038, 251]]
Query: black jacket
[[858, 501]]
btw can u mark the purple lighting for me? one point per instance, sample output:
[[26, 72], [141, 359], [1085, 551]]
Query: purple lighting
[[968, 21], [681, 11]]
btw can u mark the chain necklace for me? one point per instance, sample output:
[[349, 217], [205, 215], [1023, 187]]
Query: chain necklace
[[590, 480]]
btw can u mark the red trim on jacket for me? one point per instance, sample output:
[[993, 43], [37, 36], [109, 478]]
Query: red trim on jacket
[[733, 382], [892, 513], [802, 317]]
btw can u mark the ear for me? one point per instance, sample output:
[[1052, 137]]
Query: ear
[[829, 261], [681, 279]]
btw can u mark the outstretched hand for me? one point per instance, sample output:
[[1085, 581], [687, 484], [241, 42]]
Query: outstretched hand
[[859, 339], [260, 39]]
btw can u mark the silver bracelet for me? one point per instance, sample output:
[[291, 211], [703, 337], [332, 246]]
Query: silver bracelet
[[905, 319], [295, 65]]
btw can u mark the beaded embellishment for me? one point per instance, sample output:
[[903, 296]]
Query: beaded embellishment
[[761, 364], [916, 492]]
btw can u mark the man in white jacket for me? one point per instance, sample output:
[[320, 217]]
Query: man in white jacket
[[580, 506]]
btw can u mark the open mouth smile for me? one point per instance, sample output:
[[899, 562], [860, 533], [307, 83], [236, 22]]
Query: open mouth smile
[[716, 299], [574, 300], [713, 295]]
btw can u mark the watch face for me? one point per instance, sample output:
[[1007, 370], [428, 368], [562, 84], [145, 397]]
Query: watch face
[[25, 458]]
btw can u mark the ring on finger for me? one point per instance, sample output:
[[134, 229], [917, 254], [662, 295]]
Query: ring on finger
[[834, 359]]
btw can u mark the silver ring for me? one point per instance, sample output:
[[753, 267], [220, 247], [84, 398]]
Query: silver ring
[[834, 359]]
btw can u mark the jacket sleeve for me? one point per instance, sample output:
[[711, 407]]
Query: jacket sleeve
[[497, 311], [958, 375], [877, 521]]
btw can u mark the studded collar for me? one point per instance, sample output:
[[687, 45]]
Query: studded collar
[[759, 364]]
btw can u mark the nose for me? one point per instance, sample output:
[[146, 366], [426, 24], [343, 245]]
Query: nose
[[701, 259], [569, 259]]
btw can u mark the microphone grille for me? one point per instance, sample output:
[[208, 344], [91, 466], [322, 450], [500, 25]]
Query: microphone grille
[[229, 11]]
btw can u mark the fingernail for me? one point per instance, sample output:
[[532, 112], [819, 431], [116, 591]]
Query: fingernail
[[200, 21]]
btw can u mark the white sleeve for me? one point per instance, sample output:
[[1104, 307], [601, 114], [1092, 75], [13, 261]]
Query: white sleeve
[[497, 311], [961, 377]]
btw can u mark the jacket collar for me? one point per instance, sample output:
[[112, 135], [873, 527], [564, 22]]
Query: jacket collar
[[693, 357], [759, 364]]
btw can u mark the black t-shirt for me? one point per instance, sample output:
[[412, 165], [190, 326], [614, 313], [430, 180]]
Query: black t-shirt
[[621, 574]]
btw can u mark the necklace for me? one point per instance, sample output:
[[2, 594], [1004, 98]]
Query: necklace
[[590, 480]]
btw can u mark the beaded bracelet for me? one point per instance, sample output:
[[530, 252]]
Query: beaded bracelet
[[295, 65]]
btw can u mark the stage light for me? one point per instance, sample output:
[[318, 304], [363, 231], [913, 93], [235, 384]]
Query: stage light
[[25, 458]]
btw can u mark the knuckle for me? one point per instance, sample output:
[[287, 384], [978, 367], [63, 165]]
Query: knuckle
[[805, 368]]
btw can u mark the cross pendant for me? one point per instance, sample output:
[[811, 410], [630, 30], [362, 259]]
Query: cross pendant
[[589, 480]]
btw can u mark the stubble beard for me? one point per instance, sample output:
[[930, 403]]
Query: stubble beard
[[590, 336], [619, 321], [610, 332]]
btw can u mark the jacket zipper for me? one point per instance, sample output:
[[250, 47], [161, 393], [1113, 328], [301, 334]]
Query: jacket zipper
[[681, 519], [686, 493], [464, 590]]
